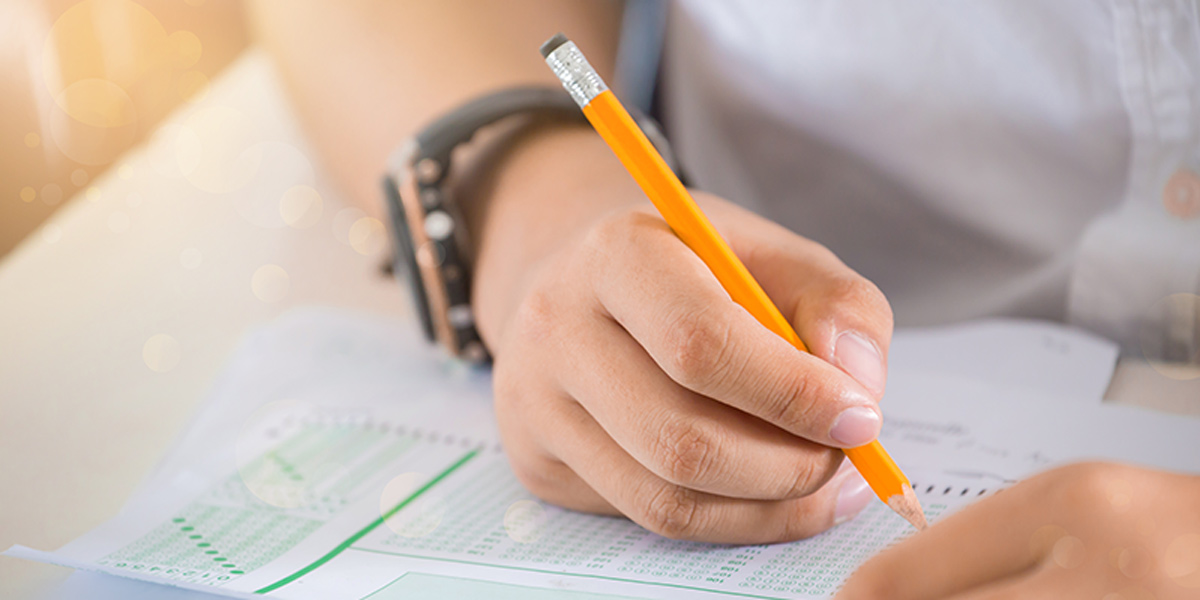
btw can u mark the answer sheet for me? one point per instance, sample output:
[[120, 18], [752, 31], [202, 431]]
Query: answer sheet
[[330, 493], [338, 458]]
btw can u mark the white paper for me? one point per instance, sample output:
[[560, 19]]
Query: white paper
[[369, 420], [1023, 355], [972, 429], [100, 586]]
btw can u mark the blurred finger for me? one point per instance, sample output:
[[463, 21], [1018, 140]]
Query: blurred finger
[[1048, 583], [985, 542]]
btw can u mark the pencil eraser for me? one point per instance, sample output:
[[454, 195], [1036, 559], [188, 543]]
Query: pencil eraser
[[552, 44]]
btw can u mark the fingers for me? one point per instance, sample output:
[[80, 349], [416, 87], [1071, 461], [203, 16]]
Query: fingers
[[682, 437], [668, 300], [986, 542], [556, 483], [630, 381], [675, 511], [1046, 583], [540, 472], [842, 317]]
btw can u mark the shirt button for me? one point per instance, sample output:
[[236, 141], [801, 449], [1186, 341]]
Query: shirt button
[[1181, 195]]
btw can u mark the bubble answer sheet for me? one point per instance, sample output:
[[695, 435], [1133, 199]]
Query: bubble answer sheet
[[339, 458]]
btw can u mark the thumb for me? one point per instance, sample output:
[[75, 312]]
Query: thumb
[[840, 316]]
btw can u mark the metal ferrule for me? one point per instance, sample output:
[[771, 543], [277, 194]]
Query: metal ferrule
[[576, 74]]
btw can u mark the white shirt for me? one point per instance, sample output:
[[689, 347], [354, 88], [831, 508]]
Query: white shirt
[[984, 157]]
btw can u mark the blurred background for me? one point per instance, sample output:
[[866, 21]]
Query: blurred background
[[83, 81]]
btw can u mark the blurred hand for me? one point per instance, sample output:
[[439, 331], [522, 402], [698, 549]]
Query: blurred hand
[[627, 381], [1094, 531]]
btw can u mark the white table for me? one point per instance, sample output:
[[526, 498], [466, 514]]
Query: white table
[[153, 253]]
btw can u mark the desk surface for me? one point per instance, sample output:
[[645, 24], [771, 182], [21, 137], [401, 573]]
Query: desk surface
[[118, 314], [153, 254]]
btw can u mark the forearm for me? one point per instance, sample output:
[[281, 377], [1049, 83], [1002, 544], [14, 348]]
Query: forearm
[[364, 75]]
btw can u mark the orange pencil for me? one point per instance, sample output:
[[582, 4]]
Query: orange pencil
[[679, 210]]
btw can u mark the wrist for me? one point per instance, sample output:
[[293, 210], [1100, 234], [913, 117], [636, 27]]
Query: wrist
[[495, 159], [550, 184]]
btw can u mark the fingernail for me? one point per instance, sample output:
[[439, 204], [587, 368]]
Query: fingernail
[[852, 498], [855, 426], [859, 357]]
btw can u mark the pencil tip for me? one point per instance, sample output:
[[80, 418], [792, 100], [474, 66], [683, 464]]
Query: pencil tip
[[907, 506]]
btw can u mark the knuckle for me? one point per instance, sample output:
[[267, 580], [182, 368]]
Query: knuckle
[[861, 293], [1088, 485], [537, 316], [536, 475], [854, 290], [618, 230], [696, 344], [810, 475], [518, 397], [505, 391], [671, 512], [685, 452], [506, 386], [613, 243], [794, 406]]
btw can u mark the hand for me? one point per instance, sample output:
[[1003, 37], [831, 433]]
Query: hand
[[1094, 531], [627, 381]]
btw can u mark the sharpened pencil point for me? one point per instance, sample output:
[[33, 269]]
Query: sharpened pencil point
[[907, 506]]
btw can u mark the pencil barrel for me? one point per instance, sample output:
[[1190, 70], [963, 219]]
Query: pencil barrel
[[680, 211], [878, 469]]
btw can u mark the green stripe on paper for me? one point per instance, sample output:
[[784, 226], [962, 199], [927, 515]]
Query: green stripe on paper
[[369, 528]]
